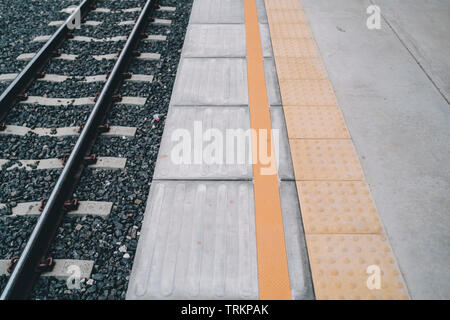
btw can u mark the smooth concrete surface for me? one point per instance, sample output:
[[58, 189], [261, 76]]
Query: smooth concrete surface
[[424, 28], [399, 122]]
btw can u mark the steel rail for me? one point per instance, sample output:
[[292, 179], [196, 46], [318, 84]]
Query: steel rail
[[26, 77], [25, 274]]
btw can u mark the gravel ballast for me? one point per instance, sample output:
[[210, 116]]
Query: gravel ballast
[[111, 242]]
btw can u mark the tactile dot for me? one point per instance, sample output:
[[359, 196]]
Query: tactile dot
[[300, 48], [286, 16], [315, 122], [326, 201], [353, 276], [291, 68], [325, 160], [283, 4], [290, 31], [307, 93]]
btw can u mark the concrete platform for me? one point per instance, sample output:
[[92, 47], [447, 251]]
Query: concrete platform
[[368, 136], [198, 238], [392, 86]]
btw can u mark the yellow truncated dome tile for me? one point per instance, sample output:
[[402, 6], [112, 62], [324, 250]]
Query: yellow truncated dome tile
[[354, 267], [283, 4], [307, 93], [300, 48], [288, 31], [337, 207], [291, 68], [325, 160], [286, 16], [315, 122]]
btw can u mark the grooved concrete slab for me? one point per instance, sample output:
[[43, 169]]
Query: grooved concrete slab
[[186, 125], [210, 81], [215, 40], [217, 11], [197, 242]]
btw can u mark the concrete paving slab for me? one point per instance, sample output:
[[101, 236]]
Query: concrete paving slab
[[211, 81], [398, 121], [272, 87], [423, 28], [197, 242], [297, 255], [215, 40], [217, 11], [190, 125]]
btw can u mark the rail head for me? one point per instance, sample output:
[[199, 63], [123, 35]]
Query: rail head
[[12, 94]]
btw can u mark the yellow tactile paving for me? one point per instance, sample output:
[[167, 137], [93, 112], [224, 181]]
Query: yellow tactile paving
[[343, 233], [301, 69], [337, 207], [339, 267], [315, 123], [286, 16], [300, 48], [288, 31], [307, 92], [283, 4], [325, 160]]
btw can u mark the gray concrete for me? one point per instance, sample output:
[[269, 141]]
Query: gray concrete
[[198, 236], [197, 242], [215, 40], [211, 81], [217, 11], [272, 87], [399, 122], [195, 165], [297, 255], [424, 28]]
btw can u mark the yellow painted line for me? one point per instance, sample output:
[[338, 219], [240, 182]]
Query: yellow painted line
[[349, 254], [273, 276]]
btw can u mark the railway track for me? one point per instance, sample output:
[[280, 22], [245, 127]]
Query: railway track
[[75, 148]]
